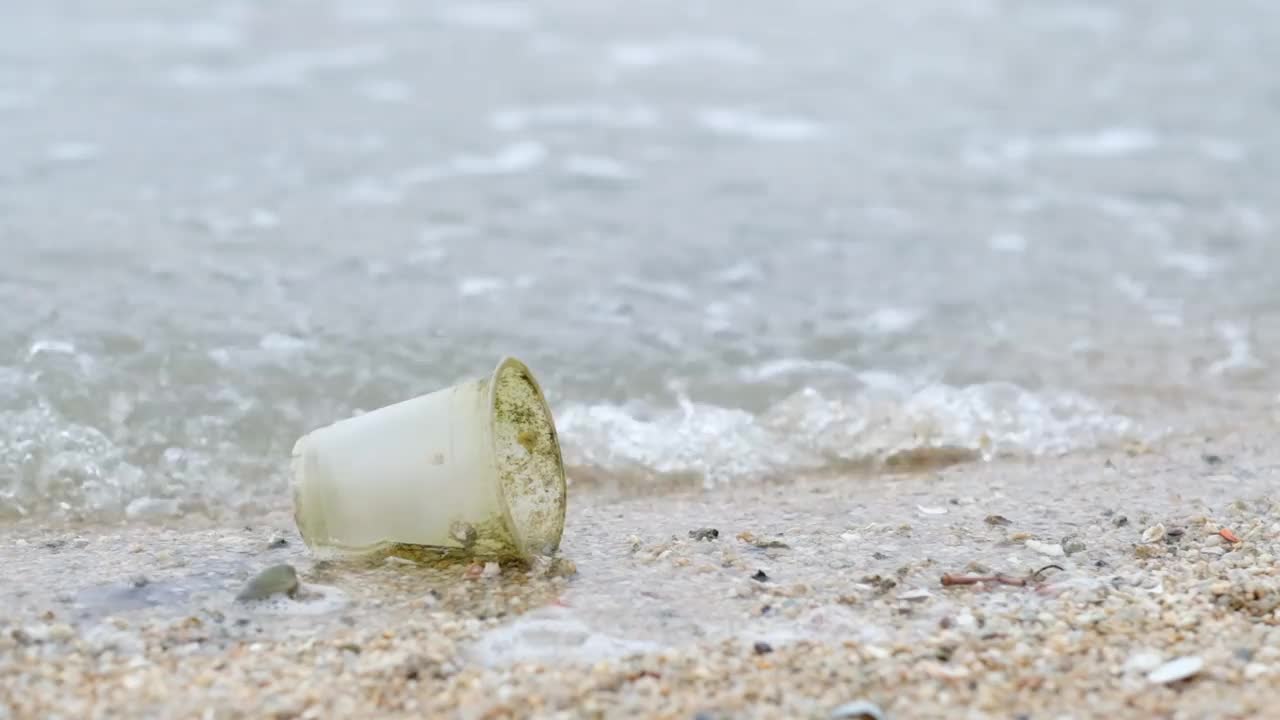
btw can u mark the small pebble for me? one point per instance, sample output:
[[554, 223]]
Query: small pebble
[[1155, 533], [1148, 551], [708, 533], [762, 543], [277, 541], [997, 520], [273, 580], [1175, 670], [1121, 521], [762, 648], [931, 510], [562, 567], [1143, 661], [1050, 549], [760, 576], [857, 710], [491, 570], [1255, 670]]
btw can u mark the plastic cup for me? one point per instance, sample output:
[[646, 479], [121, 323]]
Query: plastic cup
[[475, 468]]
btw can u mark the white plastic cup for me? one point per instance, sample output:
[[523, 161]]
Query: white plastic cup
[[474, 468]]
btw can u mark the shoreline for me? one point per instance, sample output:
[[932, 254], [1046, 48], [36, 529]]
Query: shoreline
[[811, 594]]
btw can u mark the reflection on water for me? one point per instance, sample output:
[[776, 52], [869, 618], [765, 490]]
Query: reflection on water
[[730, 244]]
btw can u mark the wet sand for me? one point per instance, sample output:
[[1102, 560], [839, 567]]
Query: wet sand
[[806, 596]]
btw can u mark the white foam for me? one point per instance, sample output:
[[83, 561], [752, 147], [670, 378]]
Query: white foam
[[1007, 243], [488, 15], [1104, 143], [617, 117], [151, 508], [682, 50], [72, 151], [714, 443], [675, 292], [597, 167], [1192, 263], [283, 70], [1100, 20], [743, 272], [367, 12], [1164, 312], [756, 125], [1221, 149], [12, 100], [60, 347], [55, 467], [371, 191], [789, 367], [282, 343], [1108, 142], [478, 285], [552, 635], [808, 430], [174, 37], [386, 90], [1240, 356], [513, 158], [891, 320], [263, 219]]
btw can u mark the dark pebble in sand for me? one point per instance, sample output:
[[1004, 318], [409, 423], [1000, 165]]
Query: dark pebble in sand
[[1211, 459], [760, 576], [1172, 535], [708, 533], [997, 520], [1121, 521], [277, 542], [762, 648]]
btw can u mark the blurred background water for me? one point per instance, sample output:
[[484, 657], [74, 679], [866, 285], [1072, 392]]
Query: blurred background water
[[734, 240]]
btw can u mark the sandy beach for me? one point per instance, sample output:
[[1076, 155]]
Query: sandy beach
[[1156, 596], [908, 360]]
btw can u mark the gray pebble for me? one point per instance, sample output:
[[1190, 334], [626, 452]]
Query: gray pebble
[[273, 580]]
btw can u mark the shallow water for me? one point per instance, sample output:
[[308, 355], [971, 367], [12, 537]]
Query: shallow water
[[732, 244]]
